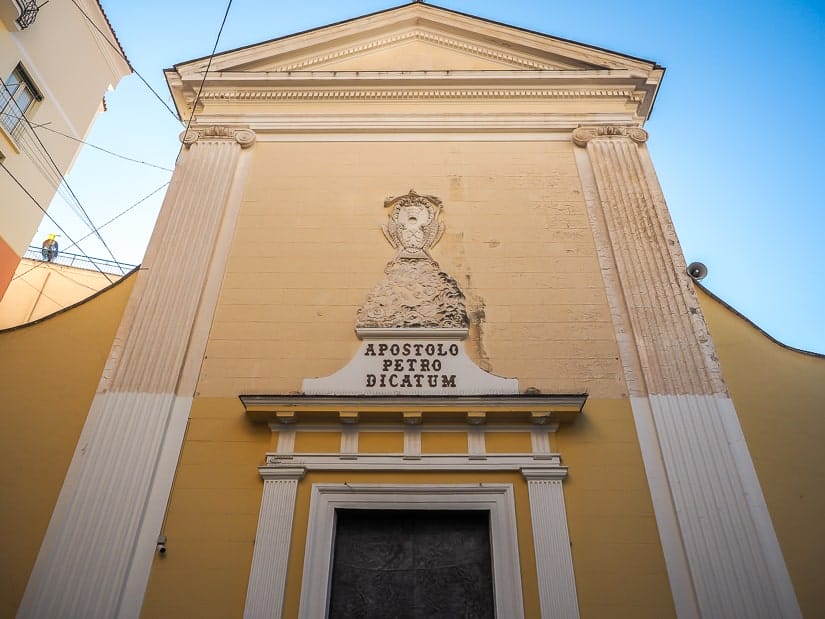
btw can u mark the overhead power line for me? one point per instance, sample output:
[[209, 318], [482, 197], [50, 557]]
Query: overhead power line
[[63, 180], [100, 148], [40, 206], [112, 220], [120, 53], [208, 66], [57, 169]]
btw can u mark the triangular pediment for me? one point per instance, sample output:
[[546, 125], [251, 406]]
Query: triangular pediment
[[416, 48], [415, 37], [417, 52], [413, 50]]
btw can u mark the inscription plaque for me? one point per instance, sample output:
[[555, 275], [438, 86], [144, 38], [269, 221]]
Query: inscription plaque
[[396, 366], [413, 321]]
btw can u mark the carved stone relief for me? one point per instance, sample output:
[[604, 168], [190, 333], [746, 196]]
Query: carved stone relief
[[414, 293], [413, 320]]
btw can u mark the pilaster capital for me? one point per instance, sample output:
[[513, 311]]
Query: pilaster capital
[[243, 136], [276, 469], [583, 135], [556, 473]]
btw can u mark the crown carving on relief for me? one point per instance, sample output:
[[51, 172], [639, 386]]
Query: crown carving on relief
[[414, 292], [414, 224]]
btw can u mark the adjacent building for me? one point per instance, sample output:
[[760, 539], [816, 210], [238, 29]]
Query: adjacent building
[[41, 286], [57, 60], [413, 337]]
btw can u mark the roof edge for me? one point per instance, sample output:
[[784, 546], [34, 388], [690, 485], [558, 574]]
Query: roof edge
[[751, 323], [654, 65], [115, 37], [54, 314]]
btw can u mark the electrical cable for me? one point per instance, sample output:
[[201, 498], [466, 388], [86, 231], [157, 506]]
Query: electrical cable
[[89, 221], [64, 233], [42, 293], [74, 281], [83, 238], [95, 230], [188, 124], [208, 66], [122, 55], [100, 148]]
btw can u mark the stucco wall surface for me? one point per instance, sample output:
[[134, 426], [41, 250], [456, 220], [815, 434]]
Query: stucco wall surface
[[212, 517], [779, 394], [72, 83], [48, 374], [307, 251]]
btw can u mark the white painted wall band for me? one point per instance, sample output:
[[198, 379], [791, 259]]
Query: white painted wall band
[[690, 437]]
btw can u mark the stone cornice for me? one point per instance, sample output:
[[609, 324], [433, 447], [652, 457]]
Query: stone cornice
[[576, 78], [527, 408], [582, 135], [272, 122], [434, 333], [325, 95], [625, 88], [501, 57], [419, 19]]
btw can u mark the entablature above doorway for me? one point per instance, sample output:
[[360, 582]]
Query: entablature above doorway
[[533, 408]]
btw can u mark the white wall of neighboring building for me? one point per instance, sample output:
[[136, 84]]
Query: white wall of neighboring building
[[72, 66]]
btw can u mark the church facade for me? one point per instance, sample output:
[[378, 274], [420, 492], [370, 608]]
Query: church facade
[[413, 337]]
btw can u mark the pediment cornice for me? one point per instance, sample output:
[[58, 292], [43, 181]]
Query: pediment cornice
[[377, 58], [323, 86]]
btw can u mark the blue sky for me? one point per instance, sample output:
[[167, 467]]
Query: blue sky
[[734, 134]]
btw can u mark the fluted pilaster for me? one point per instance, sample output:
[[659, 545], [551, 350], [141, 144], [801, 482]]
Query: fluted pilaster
[[96, 555], [554, 561], [699, 469], [267, 582]]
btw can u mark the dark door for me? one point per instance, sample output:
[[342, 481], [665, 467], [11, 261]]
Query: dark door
[[405, 564]]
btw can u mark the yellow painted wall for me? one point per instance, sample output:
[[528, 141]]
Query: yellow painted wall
[[508, 442], [304, 256], [213, 513], [48, 375], [381, 442], [779, 394], [617, 556], [307, 251], [41, 288], [443, 442]]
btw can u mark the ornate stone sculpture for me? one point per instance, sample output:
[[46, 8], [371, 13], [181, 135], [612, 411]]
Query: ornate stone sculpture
[[412, 322], [414, 293], [415, 224]]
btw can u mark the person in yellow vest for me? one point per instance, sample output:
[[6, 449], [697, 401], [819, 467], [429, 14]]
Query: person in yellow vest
[[49, 248]]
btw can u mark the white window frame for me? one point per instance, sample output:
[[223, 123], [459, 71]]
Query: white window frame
[[9, 100], [497, 499]]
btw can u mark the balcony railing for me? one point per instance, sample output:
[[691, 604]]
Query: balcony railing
[[28, 12], [81, 262]]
